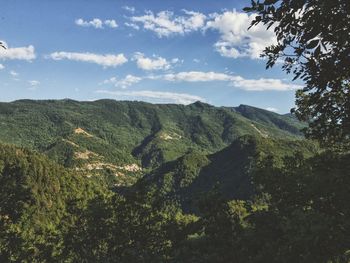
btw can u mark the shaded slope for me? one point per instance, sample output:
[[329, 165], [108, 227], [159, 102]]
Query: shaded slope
[[230, 169]]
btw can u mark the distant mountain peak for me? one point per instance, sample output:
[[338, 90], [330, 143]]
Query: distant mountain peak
[[201, 104]]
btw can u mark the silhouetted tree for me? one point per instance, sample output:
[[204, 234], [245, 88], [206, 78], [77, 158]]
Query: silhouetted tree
[[313, 43]]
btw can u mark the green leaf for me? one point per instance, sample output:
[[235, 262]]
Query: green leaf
[[270, 2]]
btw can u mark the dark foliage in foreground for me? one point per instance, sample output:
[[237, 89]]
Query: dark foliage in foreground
[[298, 214], [313, 42]]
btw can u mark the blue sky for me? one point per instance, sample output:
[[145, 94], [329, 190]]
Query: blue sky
[[160, 51]]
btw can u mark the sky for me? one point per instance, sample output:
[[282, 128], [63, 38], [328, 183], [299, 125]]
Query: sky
[[159, 51]]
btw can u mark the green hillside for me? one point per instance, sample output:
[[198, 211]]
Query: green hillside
[[122, 140], [285, 122], [192, 183], [35, 199], [229, 170]]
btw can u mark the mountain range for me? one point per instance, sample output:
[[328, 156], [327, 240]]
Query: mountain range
[[120, 141], [68, 169]]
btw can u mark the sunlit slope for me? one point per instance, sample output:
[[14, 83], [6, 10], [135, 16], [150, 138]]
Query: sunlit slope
[[122, 138]]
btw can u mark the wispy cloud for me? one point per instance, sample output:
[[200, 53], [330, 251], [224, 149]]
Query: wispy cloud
[[111, 23], [33, 83], [132, 25], [197, 76], [2, 66], [154, 63], [130, 9], [13, 73], [165, 23], [155, 96], [123, 83], [261, 84], [19, 53], [96, 23], [106, 60]]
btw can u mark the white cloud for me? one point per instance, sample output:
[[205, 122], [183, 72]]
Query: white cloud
[[2, 66], [132, 25], [111, 80], [20, 53], [165, 23], [155, 63], [96, 23], [111, 23], [197, 76], [130, 9], [106, 60], [156, 96], [235, 38], [272, 109], [262, 84], [13, 73], [226, 50], [34, 83], [124, 83], [194, 21], [176, 60]]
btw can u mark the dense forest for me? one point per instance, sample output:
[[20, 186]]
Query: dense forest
[[257, 200], [119, 181], [121, 137]]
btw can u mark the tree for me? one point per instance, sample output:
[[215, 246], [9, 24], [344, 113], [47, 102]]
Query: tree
[[308, 212], [313, 42]]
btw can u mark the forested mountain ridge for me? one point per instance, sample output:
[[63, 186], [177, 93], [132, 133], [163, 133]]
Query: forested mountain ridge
[[119, 138], [286, 122], [230, 170], [213, 195], [49, 213]]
